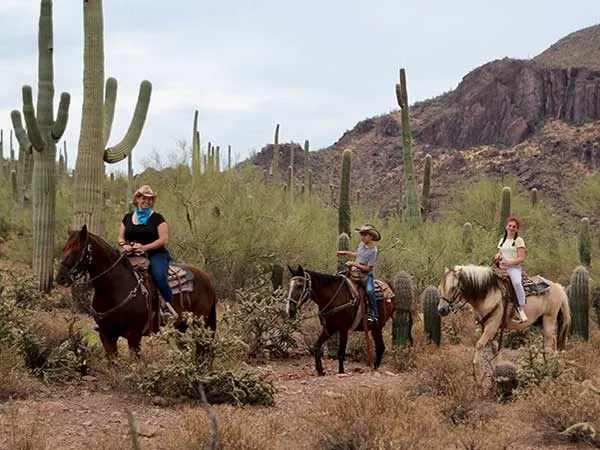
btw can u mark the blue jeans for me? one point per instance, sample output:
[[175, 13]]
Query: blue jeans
[[159, 272], [369, 286]]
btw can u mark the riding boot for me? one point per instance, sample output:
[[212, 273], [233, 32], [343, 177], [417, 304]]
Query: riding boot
[[371, 316]]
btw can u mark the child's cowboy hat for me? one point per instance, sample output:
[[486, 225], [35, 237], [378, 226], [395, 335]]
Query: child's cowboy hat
[[367, 228], [145, 191]]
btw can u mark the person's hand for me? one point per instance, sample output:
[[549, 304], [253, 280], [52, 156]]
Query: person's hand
[[341, 253], [350, 263], [498, 256], [127, 248], [505, 262]]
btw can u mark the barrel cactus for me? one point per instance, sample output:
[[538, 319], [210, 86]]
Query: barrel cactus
[[432, 320], [505, 379], [402, 320], [579, 301]]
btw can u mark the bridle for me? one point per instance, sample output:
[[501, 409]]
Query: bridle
[[79, 269], [307, 290], [457, 294]]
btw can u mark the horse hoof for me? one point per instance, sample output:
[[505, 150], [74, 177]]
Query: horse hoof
[[321, 373]]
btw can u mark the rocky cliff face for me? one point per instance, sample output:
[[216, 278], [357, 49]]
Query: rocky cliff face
[[505, 101]]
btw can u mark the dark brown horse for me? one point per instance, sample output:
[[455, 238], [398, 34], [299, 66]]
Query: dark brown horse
[[341, 309], [126, 302]]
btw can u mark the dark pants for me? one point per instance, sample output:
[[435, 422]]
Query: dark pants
[[159, 272], [369, 285]]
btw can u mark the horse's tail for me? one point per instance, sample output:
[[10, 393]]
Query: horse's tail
[[563, 319]]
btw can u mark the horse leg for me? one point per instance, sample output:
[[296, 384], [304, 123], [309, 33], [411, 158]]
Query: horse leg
[[342, 349], [549, 333], [109, 342], [379, 345], [488, 333], [318, 350], [134, 340]]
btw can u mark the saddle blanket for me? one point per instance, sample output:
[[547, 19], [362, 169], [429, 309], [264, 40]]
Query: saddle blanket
[[535, 285], [180, 278]]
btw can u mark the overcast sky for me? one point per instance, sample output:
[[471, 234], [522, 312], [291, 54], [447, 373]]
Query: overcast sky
[[316, 67]]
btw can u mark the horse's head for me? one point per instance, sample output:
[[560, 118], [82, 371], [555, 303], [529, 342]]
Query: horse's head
[[449, 291], [299, 290], [76, 257]]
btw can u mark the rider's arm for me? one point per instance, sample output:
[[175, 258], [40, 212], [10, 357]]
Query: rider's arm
[[163, 238], [122, 240], [519, 259]]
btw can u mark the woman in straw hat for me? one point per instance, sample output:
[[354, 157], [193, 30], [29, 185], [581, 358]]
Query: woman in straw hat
[[147, 231], [366, 258]]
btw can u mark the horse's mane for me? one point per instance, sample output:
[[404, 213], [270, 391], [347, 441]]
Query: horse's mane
[[476, 282], [109, 249], [323, 278]]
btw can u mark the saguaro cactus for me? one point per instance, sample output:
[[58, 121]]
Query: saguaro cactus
[[43, 131], [426, 186], [585, 244], [343, 243], [276, 156], [306, 161], [402, 320], [344, 214], [413, 208], [579, 301], [534, 197], [229, 157], [504, 209], [96, 122], [195, 150], [467, 240], [432, 320]]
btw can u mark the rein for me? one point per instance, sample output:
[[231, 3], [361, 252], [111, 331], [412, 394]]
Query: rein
[[323, 312]]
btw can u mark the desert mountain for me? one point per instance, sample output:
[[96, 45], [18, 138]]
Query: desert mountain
[[538, 120]]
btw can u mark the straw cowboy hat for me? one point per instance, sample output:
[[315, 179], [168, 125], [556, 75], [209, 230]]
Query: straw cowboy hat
[[145, 191], [367, 228]]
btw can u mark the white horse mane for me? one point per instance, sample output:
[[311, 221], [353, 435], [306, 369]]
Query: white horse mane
[[475, 282]]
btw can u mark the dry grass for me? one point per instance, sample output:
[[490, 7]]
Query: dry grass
[[238, 429], [16, 380], [24, 433]]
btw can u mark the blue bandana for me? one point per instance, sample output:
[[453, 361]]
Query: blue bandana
[[143, 214]]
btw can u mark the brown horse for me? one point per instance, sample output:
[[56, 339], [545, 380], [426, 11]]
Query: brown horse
[[341, 309], [482, 289], [126, 302]]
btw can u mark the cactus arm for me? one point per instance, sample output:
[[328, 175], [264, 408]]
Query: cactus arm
[[20, 132], [33, 131], [120, 151], [110, 101], [62, 117]]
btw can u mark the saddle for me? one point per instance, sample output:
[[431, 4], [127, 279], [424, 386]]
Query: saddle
[[180, 278], [533, 285], [382, 290]]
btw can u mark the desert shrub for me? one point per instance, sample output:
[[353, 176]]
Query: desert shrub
[[563, 410], [16, 380], [197, 362], [515, 339], [257, 316], [24, 433], [373, 418], [535, 366]]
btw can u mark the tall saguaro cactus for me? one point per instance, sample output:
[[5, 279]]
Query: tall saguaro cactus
[[276, 156], [585, 244], [195, 150], [426, 186], [96, 122], [402, 319], [42, 134], [413, 208], [504, 209], [344, 215], [579, 301]]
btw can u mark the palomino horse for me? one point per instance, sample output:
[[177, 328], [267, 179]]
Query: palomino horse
[[125, 302], [482, 289], [341, 309]]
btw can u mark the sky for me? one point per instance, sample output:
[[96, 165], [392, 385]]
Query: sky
[[315, 67]]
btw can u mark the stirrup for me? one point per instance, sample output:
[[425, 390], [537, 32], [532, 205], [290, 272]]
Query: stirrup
[[169, 311]]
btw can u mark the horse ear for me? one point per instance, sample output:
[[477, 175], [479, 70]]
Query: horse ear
[[83, 234], [446, 270], [300, 269], [291, 270]]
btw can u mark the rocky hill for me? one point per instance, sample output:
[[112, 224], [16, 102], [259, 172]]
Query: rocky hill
[[538, 120]]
